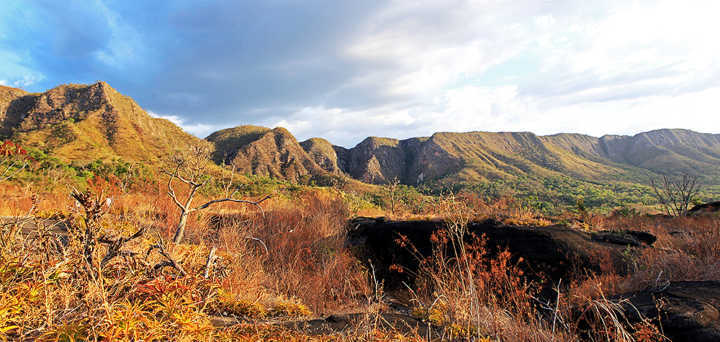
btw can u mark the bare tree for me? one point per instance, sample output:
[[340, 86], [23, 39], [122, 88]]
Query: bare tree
[[393, 190], [676, 194], [189, 168]]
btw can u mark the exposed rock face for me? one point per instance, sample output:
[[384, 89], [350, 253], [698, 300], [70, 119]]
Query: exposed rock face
[[273, 153], [9, 117], [475, 156], [410, 161], [85, 122], [687, 311], [375, 160], [323, 153], [556, 252]]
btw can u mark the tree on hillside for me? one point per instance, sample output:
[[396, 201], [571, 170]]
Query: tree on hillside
[[189, 167], [393, 192], [675, 194]]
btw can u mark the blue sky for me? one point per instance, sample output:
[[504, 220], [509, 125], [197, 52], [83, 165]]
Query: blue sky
[[344, 70]]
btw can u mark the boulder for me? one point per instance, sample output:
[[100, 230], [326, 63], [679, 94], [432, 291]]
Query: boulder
[[684, 311], [551, 253]]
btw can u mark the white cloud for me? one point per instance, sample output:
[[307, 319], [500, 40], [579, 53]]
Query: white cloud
[[3, 82], [617, 67], [453, 65], [198, 129], [14, 71], [124, 43]]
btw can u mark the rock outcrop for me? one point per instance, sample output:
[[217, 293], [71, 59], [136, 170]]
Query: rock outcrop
[[323, 153], [87, 122], [685, 311], [705, 209], [555, 252], [271, 152]]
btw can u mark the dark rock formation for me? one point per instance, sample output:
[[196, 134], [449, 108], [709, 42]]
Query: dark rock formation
[[704, 209], [375, 160], [686, 311], [556, 252]]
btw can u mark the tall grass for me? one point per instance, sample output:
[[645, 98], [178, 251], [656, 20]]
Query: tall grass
[[290, 261]]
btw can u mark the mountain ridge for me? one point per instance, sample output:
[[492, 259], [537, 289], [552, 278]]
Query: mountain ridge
[[87, 122]]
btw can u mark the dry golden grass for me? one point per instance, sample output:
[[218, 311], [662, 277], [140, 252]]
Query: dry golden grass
[[290, 263]]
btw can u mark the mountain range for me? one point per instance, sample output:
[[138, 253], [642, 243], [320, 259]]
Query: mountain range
[[88, 122]]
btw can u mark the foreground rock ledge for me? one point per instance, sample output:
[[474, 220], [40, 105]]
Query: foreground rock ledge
[[685, 310], [552, 253]]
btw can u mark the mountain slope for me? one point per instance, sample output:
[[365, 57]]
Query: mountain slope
[[87, 122], [670, 150], [323, 153], [270, 152], [479, 156], [482, 156]]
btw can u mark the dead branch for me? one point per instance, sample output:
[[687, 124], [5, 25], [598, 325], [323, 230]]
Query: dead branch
[[169, 261], [210, 260], [194, 184], [11, 168], [261, 242], [93, 207], [676, 195], [255, 203], [115, 245]]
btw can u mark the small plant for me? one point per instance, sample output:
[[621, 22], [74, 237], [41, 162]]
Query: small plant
[[13, 159]]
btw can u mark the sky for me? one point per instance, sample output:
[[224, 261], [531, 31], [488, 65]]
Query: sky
[[345, 70]]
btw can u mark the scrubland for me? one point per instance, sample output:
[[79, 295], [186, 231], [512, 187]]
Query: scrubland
[[88, 268]]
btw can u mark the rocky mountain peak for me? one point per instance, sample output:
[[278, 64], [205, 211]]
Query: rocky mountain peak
[[85, 122]]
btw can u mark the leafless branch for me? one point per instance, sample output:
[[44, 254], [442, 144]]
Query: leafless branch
[[11, 169], [255, 203], [209, 262], [115, 245], [195, 185], [261, 242], [676, 195], [169, 261]]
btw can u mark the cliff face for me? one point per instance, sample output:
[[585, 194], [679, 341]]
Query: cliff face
[[86, 122], [273, 153], [474, 156], [477, 156], [375, 160], [11, 102]]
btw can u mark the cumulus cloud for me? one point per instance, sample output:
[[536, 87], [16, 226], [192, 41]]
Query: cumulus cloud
[[346, 70], [197, 129]]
